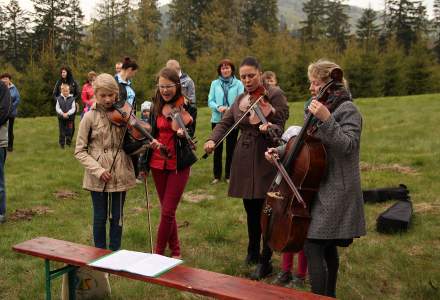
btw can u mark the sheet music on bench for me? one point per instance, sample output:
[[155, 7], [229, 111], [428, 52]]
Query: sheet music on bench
[[147, 264]]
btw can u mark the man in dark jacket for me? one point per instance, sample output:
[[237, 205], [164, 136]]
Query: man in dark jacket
[[15, 98], [188, 88]]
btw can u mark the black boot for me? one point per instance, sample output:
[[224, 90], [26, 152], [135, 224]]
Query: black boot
[[262, 270], [251, 259]]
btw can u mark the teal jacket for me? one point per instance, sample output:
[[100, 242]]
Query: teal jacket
[[216, 97]]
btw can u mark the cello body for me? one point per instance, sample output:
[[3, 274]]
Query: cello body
[[284, 220]]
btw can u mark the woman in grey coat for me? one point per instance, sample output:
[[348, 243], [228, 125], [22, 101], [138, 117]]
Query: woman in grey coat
[[338, 209]]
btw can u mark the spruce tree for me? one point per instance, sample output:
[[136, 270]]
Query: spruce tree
[[17, 33], [406, 20], [262, 13], [314, 25], [49, 27], [148, 21], [367, 28], [219, 30], [185, 23], [73, 27], [436, 25], [3, 35], [337, 24]]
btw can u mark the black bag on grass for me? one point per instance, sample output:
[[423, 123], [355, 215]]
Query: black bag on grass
[[383, 194], [397, 218]]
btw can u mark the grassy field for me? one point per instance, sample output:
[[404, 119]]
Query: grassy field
[[400, 144]]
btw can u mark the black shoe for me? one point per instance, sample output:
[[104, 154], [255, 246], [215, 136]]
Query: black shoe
[[62, 146], [261, 271], [297, 282], [251, 259], [283, 278]]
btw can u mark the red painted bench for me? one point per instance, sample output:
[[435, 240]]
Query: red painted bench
[[181, 277]]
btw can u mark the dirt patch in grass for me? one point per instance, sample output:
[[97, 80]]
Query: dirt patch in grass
[[388, 167], [425, 207], [197, 196], [29, 213], [65, 194]]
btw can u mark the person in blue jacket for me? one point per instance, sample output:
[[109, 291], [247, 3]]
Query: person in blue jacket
[[221, 96], [15, 99]]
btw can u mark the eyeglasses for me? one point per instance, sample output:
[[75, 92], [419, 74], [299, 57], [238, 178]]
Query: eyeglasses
[[250, 76], [166, 86]]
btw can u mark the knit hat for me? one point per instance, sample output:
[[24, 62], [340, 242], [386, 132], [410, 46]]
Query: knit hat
[[146, 105], [290, 132]]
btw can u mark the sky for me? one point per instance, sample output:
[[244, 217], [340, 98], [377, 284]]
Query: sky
[[88, 6]]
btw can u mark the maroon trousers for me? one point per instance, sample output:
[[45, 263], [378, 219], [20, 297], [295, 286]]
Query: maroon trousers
[[170, 185]]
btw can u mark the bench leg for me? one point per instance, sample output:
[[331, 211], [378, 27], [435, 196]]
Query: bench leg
[[71, 274], [48, 279], [72, 283]]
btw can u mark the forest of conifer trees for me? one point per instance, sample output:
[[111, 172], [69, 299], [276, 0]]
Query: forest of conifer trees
[[394, 52]]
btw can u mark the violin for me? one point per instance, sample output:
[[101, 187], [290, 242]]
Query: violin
[[259, 112], [122, 114], [180, 118]]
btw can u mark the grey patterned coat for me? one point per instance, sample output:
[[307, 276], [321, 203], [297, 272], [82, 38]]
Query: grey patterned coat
[[338, 210]]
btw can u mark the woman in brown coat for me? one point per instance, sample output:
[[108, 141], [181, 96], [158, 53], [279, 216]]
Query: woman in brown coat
[[251, 174], [96, 145]]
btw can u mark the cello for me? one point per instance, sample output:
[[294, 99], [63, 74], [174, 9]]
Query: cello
[[285, 217]]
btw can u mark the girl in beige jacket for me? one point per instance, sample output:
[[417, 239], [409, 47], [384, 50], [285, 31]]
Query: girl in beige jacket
[[96, 147]]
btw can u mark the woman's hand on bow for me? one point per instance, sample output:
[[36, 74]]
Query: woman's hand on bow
[[271, 154], [106, 176], [209, 146]]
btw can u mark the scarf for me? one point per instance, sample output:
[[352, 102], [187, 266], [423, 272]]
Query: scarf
[[226, 84]]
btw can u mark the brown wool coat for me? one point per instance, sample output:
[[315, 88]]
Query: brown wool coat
[[251, 173], [96, 154]]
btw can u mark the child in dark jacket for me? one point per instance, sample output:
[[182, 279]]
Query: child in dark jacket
[[65, 109]]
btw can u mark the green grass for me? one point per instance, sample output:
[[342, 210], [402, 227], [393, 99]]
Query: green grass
[[399, 134]]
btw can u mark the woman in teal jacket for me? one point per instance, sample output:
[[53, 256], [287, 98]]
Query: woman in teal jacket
[[222, 94]]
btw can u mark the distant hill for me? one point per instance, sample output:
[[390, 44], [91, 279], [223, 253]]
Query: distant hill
[[289, 11]]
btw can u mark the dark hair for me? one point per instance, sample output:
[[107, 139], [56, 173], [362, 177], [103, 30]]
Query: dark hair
[[225, 62], [6, 75], [171, 75], [69, 77], [129, 63], [251, 61]]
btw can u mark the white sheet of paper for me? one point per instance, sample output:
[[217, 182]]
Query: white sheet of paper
[[153, 265], [146, 264]]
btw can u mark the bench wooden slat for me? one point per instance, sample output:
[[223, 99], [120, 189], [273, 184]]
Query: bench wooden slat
[[189, 279]]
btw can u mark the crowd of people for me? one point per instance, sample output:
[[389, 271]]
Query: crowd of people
[[114, 159]]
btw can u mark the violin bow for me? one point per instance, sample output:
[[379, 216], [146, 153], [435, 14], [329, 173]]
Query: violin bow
[[119, 146], [235, 125], [147, 197], [289, 181]]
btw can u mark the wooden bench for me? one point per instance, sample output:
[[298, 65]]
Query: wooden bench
[[184, 278]]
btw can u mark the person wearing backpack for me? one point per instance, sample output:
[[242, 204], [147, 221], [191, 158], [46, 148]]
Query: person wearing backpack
[[5, 108]]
